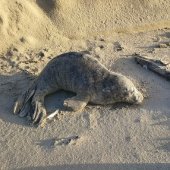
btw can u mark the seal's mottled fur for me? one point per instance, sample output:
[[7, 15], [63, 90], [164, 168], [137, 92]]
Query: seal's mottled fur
[[79, 73]]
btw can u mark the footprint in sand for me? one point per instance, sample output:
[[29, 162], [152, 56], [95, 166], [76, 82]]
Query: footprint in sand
[[90, 120], [85, 120], [1, 21]]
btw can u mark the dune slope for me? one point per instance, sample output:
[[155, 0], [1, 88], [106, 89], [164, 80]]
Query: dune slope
[[37, 21]]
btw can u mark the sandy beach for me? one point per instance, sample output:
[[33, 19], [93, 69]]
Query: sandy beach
[[117, 137]]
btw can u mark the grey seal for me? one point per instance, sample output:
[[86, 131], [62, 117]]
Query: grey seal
[[82, 74]]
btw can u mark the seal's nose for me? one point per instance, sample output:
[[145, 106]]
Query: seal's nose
[[139, 98]]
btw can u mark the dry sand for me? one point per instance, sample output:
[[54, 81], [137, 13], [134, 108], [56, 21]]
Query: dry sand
[[113, 137]]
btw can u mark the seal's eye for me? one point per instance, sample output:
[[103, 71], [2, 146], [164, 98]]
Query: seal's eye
[[126, 91]]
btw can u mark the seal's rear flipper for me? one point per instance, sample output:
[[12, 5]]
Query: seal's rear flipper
[[156, 66], [22, 100]]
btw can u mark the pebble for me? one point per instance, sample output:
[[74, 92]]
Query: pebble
[[41, 54]]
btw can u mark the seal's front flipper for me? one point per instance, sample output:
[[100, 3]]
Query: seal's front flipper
[[76, 103]]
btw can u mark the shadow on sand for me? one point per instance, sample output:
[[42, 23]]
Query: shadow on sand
[[130, 166], [12, 86]]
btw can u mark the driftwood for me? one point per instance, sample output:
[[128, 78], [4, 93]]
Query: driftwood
[[156, 66]]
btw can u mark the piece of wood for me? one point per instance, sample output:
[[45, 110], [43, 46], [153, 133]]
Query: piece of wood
[[156, 66]]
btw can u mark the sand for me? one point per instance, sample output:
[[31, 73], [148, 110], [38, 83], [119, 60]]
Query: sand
[[109, 137]]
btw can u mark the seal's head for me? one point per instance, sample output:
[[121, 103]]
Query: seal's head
[[128, 92]]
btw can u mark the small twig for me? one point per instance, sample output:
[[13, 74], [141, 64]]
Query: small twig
[[49, 118], [52, 115]]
